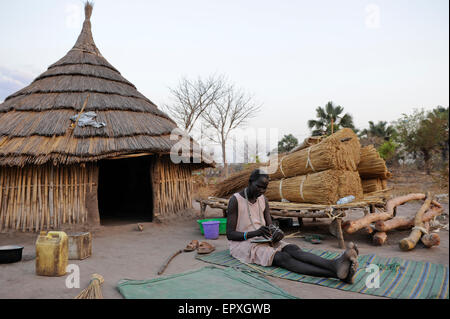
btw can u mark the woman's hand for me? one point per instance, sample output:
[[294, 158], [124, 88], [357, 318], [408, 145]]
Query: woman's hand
[[263, 231], [277, 233]]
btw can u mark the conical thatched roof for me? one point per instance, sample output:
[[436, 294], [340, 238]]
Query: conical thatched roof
[[35, 125]]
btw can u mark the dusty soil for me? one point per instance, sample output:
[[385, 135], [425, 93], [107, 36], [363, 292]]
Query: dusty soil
[[121, 251]]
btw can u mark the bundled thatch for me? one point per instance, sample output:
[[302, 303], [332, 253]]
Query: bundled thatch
[[340, 151], [35, 125], [372, 165], [307, 142], [373, 185], [324, 187]]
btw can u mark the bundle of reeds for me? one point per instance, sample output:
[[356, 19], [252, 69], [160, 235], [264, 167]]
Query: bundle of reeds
[[372, 165], [339, 151], [307, 142], [93, 290], [324, 187], [373, 184]]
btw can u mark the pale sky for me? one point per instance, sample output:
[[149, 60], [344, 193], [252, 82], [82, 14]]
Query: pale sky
[[377, 59]]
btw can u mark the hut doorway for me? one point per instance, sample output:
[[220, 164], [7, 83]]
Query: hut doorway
[[125, 190]]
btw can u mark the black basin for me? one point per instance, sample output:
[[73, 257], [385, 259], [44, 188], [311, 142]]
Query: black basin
[[10, 254]]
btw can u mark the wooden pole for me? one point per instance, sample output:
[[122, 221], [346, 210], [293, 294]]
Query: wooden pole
[[410, 242], [379, 238], [2, 211], [51, 203], [406, 223]]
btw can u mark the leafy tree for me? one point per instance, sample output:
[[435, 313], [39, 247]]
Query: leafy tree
[[422, 134], [287, 143], [381, 129], [387, 150], [330, 119], [439, 117]]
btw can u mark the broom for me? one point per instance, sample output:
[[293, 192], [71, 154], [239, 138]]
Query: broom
[[93, 291]]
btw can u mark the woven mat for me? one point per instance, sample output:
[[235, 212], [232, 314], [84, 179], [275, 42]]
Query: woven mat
[[398, 278], [209, 282]]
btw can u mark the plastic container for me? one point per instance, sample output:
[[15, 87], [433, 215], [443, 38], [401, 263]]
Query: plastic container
[[222, 225], [211, 229], [345, 200], [52, 253], [10, 254], [80, 245]]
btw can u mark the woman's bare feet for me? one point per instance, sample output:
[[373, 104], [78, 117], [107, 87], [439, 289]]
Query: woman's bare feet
[[347, 263], [354, 263]]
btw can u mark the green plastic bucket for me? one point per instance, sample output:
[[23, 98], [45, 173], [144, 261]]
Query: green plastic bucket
[[222, 225]]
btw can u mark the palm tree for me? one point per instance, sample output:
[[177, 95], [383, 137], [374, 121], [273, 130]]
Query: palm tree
[[381, 129], [330, 120]]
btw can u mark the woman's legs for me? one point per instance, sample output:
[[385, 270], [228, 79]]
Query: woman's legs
[[285, 260], [293, 258], [309, 258]]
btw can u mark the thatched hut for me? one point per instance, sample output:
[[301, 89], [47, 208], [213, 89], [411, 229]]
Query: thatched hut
[[54, 172]]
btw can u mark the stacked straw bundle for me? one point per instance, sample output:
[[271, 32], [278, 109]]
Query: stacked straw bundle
[[373, 185], [324, 187], [372, 165], [307, 142], [340, 151]]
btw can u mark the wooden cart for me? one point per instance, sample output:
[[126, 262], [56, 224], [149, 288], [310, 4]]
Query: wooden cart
[[303, 210]]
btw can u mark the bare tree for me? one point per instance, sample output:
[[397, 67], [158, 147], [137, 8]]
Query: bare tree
[[192, 98], [226, 114]]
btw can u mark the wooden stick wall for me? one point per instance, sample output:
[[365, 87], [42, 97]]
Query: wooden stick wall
[[34, 198], [172, 186]]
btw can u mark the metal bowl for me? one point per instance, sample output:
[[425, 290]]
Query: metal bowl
[[10, 254]]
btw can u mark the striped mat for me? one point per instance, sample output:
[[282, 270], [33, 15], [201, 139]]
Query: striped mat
[[398, 278]]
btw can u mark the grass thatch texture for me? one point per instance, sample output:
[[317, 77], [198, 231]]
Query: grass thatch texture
[[339, 151], [373, 185], [372, 165], [74, 101], [35, 121], [324, 187], [307, 142], [235, 182]]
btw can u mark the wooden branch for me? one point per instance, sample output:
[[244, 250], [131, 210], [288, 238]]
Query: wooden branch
[[164, 266], [352, 226], [410, 242], [430, 240], [403, 223], [379, 238], [355, 225], [367, 230]]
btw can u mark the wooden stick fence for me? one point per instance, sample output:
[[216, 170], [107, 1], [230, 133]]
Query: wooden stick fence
[[172, 186], [34, 198]]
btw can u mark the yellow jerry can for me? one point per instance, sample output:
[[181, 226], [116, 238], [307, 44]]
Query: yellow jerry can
[[52, 253]]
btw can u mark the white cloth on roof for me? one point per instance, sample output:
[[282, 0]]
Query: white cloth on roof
[[88, 119]]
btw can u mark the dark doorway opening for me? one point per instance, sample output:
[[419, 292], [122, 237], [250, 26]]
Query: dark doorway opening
[[125, 190]]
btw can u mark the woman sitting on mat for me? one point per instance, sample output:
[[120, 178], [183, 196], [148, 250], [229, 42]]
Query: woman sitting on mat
[[248, 219]]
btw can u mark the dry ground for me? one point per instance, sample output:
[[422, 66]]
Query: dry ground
[[121, 251]]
